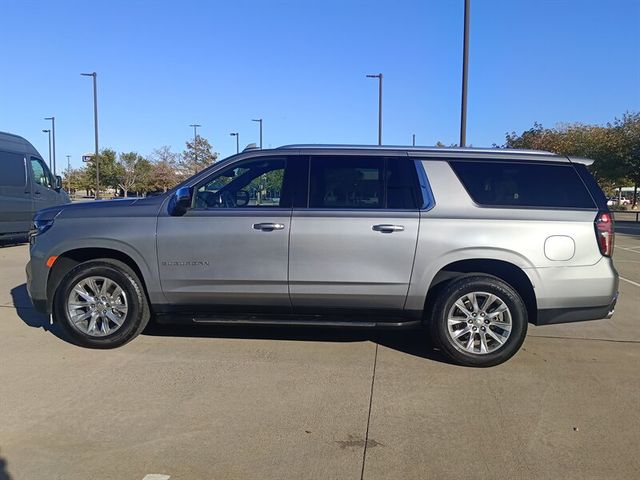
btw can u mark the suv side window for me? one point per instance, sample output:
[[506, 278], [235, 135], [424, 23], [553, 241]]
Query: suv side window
[[257, 183], [519, 184], [41, 174], [346, 182], [353, 182]]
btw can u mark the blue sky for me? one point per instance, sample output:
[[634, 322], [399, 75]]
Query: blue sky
[[301, 66]]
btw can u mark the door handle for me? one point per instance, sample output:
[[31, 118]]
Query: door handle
[[268, 227], [386, 228]]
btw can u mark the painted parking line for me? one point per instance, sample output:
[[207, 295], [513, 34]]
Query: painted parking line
[[156, 476], [630, 281]]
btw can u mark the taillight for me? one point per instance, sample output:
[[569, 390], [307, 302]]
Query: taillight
[[605, 233]]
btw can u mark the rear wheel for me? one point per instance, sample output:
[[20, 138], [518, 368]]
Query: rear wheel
[[479, 321], [101, 304]]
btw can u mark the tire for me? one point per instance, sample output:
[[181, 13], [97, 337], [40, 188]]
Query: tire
[[118, 319], [498, 328]]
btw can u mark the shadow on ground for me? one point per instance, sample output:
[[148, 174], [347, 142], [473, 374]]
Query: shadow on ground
[[414, 342], [4, 474], [29, 315]]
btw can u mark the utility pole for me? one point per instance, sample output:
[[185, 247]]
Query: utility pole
[[96, 158], [465, 74], [379, 77], [53, 134], [259, 120]]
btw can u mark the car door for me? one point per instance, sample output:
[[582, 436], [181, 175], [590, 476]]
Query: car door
[[353, 246], [16, 209], [42, 184], [231, 248]]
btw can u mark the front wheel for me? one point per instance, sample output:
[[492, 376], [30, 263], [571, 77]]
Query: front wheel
[[479, 321], [101, 304]]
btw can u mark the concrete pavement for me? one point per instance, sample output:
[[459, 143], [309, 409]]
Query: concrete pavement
[[240, 403]]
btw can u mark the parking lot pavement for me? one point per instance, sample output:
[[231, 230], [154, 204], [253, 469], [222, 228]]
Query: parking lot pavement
[[196, 403]]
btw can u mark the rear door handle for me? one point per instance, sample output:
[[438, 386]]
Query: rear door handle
[[386, 228], [268, 227]]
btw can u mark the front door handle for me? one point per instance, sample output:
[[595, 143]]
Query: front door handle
[[268, 227], [386, 228]]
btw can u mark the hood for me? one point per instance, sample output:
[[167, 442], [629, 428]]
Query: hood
[[103, 208]]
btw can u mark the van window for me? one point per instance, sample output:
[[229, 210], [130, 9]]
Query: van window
[[523, 184], [41, 173], [12, 173]]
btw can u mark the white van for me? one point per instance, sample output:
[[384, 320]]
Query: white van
[[26, 186]]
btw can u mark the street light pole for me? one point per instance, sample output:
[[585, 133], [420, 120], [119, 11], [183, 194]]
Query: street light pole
[[69, 173], [49, 132], [237, 135], [259, 120], [465, 74], [195, 137], [414, 139], [53, 134], [96, 158], [379, 77]]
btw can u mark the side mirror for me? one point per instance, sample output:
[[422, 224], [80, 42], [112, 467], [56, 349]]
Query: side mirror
[[57, 183], [180, 201]]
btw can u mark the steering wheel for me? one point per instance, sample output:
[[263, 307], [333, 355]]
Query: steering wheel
[[208, 199]]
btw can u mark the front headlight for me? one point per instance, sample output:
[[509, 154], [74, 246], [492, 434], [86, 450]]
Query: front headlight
[[41, 225]]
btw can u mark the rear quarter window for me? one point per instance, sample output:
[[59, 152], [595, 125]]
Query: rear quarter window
[[12, 172], [511, 184]]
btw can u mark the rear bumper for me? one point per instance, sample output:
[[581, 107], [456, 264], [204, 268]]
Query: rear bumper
[[550, 316]]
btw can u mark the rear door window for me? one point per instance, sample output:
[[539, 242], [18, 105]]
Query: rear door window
[[512, 184], [353, 182]]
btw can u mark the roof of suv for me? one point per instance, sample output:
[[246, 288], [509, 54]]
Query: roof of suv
[[449, 152]]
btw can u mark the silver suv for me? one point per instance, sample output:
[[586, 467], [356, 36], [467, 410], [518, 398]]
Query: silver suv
[[473, 244]]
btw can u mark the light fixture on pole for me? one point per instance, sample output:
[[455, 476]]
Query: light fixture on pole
[[237, 135], [259, 120], [96, 158], [49, 132], [379, 77], [53, 135]]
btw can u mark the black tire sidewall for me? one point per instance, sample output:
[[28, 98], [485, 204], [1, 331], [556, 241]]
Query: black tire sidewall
[[134, 320], [489, 284]]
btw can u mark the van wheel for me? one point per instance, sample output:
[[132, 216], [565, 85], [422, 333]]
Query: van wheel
[[479, 321], [101, 304]]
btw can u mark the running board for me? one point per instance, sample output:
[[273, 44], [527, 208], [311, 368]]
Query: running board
[[302, 321]]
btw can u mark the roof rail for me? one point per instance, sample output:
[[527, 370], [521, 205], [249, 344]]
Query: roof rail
[[498, 151]]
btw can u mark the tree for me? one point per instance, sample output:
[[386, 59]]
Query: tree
[[198, 155], [107, 158], [626, 132], [615, 148], [165, 169], [127, 171]]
